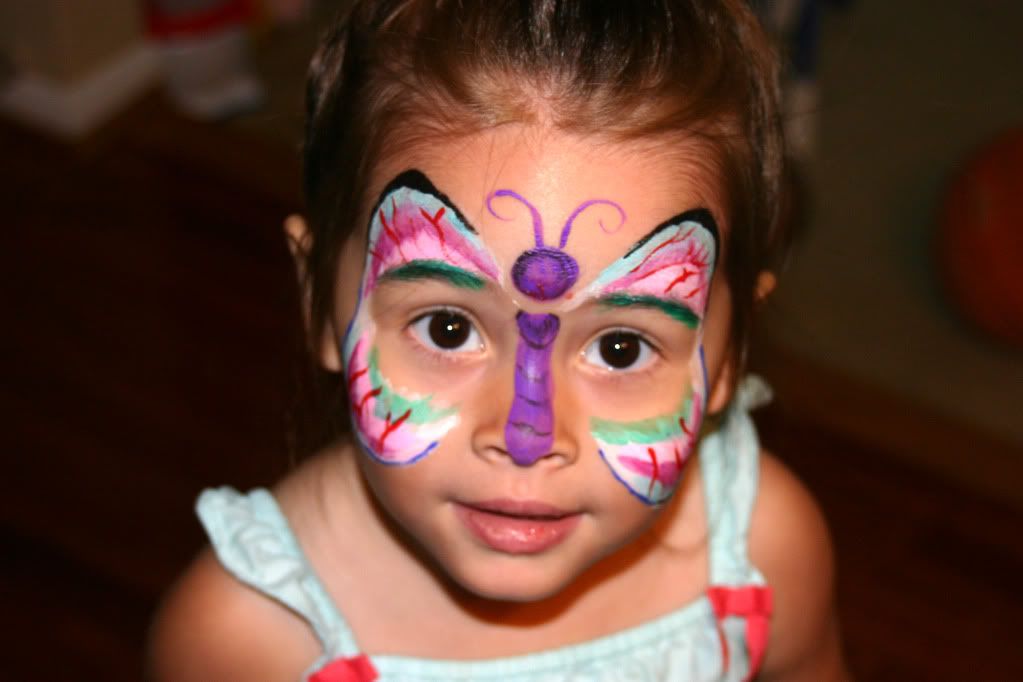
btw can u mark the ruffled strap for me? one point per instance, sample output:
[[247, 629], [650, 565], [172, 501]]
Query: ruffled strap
[[255, 544], [729, 460]]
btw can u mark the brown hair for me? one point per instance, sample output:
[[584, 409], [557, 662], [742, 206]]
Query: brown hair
[[676, 69]]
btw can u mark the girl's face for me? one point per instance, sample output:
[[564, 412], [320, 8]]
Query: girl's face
[[532, 348]]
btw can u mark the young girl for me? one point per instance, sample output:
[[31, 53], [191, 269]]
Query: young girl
[[536, 232]]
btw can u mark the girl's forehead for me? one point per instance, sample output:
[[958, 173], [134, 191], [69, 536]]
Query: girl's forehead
[[517, 186]]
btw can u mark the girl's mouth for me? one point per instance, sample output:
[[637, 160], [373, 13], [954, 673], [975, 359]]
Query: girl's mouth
[[517, 527]]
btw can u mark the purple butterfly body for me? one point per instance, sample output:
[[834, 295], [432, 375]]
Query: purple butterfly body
[[543, 273], [529, 432]]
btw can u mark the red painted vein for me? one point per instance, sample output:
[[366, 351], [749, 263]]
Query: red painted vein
[[686, 274], [371, 394], [674, 240], [656, 473], [355, 377], [685, 429], [391, 427], [389, 232], [654, 271], [435, 221]]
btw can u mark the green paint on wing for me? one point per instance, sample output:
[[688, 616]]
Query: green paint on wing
[[421, 409], [644, 431], [671, 308], [434, 269]]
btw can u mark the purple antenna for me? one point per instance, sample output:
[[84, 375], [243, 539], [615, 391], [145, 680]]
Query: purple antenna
[[537, 221], [545, 272], [585, 205], [542, 273]]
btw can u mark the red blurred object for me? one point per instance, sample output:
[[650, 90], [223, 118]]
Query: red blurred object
[[197, 20], [980, 239]]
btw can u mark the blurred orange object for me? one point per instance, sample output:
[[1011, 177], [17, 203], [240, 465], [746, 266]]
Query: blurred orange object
[[980, 238]]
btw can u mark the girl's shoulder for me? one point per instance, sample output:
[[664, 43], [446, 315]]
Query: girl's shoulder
[[790, 544], [211, 625]]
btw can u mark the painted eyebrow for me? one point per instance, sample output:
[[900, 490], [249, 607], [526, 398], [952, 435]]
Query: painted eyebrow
[[437, 270], [673, 309]]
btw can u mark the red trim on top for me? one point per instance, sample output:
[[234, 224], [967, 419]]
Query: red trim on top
[[355, 669], [194, 24], [752, 602]]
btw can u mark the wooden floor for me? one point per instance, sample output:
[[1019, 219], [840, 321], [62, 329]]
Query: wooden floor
[[150, 351]]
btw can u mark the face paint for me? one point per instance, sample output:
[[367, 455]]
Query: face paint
[[393, 428], [529, 432], [415, 232], [647, 456], [543, 273], [668, 270], [672, 264]]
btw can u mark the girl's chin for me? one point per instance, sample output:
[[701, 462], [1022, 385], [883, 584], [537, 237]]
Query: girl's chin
[[517, 589], [512, 579]]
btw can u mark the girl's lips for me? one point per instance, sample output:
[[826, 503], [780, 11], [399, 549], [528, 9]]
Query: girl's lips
[[517, 527]]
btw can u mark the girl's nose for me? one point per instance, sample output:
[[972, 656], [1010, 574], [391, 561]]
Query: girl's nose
[[529, 431], [537, 427]]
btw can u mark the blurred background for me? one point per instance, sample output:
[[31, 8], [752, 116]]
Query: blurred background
[[150, 154]]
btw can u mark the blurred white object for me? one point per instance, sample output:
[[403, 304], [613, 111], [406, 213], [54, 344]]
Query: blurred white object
[[205, 52], [72, 110], [210, 76]]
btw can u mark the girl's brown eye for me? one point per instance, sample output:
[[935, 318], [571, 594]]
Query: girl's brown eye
[[619, 350], [448, 331]]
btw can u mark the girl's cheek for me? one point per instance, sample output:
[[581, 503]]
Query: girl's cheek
[[647, 454], [396, 425]]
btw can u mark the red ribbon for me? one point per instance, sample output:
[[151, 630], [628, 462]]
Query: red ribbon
[[354, 669], [753, 603]]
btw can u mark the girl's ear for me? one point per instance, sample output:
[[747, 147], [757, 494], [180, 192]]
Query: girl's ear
[[766, 282], [300, 240], [724, 385], [296, 234]]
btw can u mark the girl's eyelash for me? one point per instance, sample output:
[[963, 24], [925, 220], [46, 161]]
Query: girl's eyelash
[[635, 332], [449, 309]]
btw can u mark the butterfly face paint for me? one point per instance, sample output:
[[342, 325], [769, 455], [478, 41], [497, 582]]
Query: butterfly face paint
[[668, 270], [415, 233], [543, 273]]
